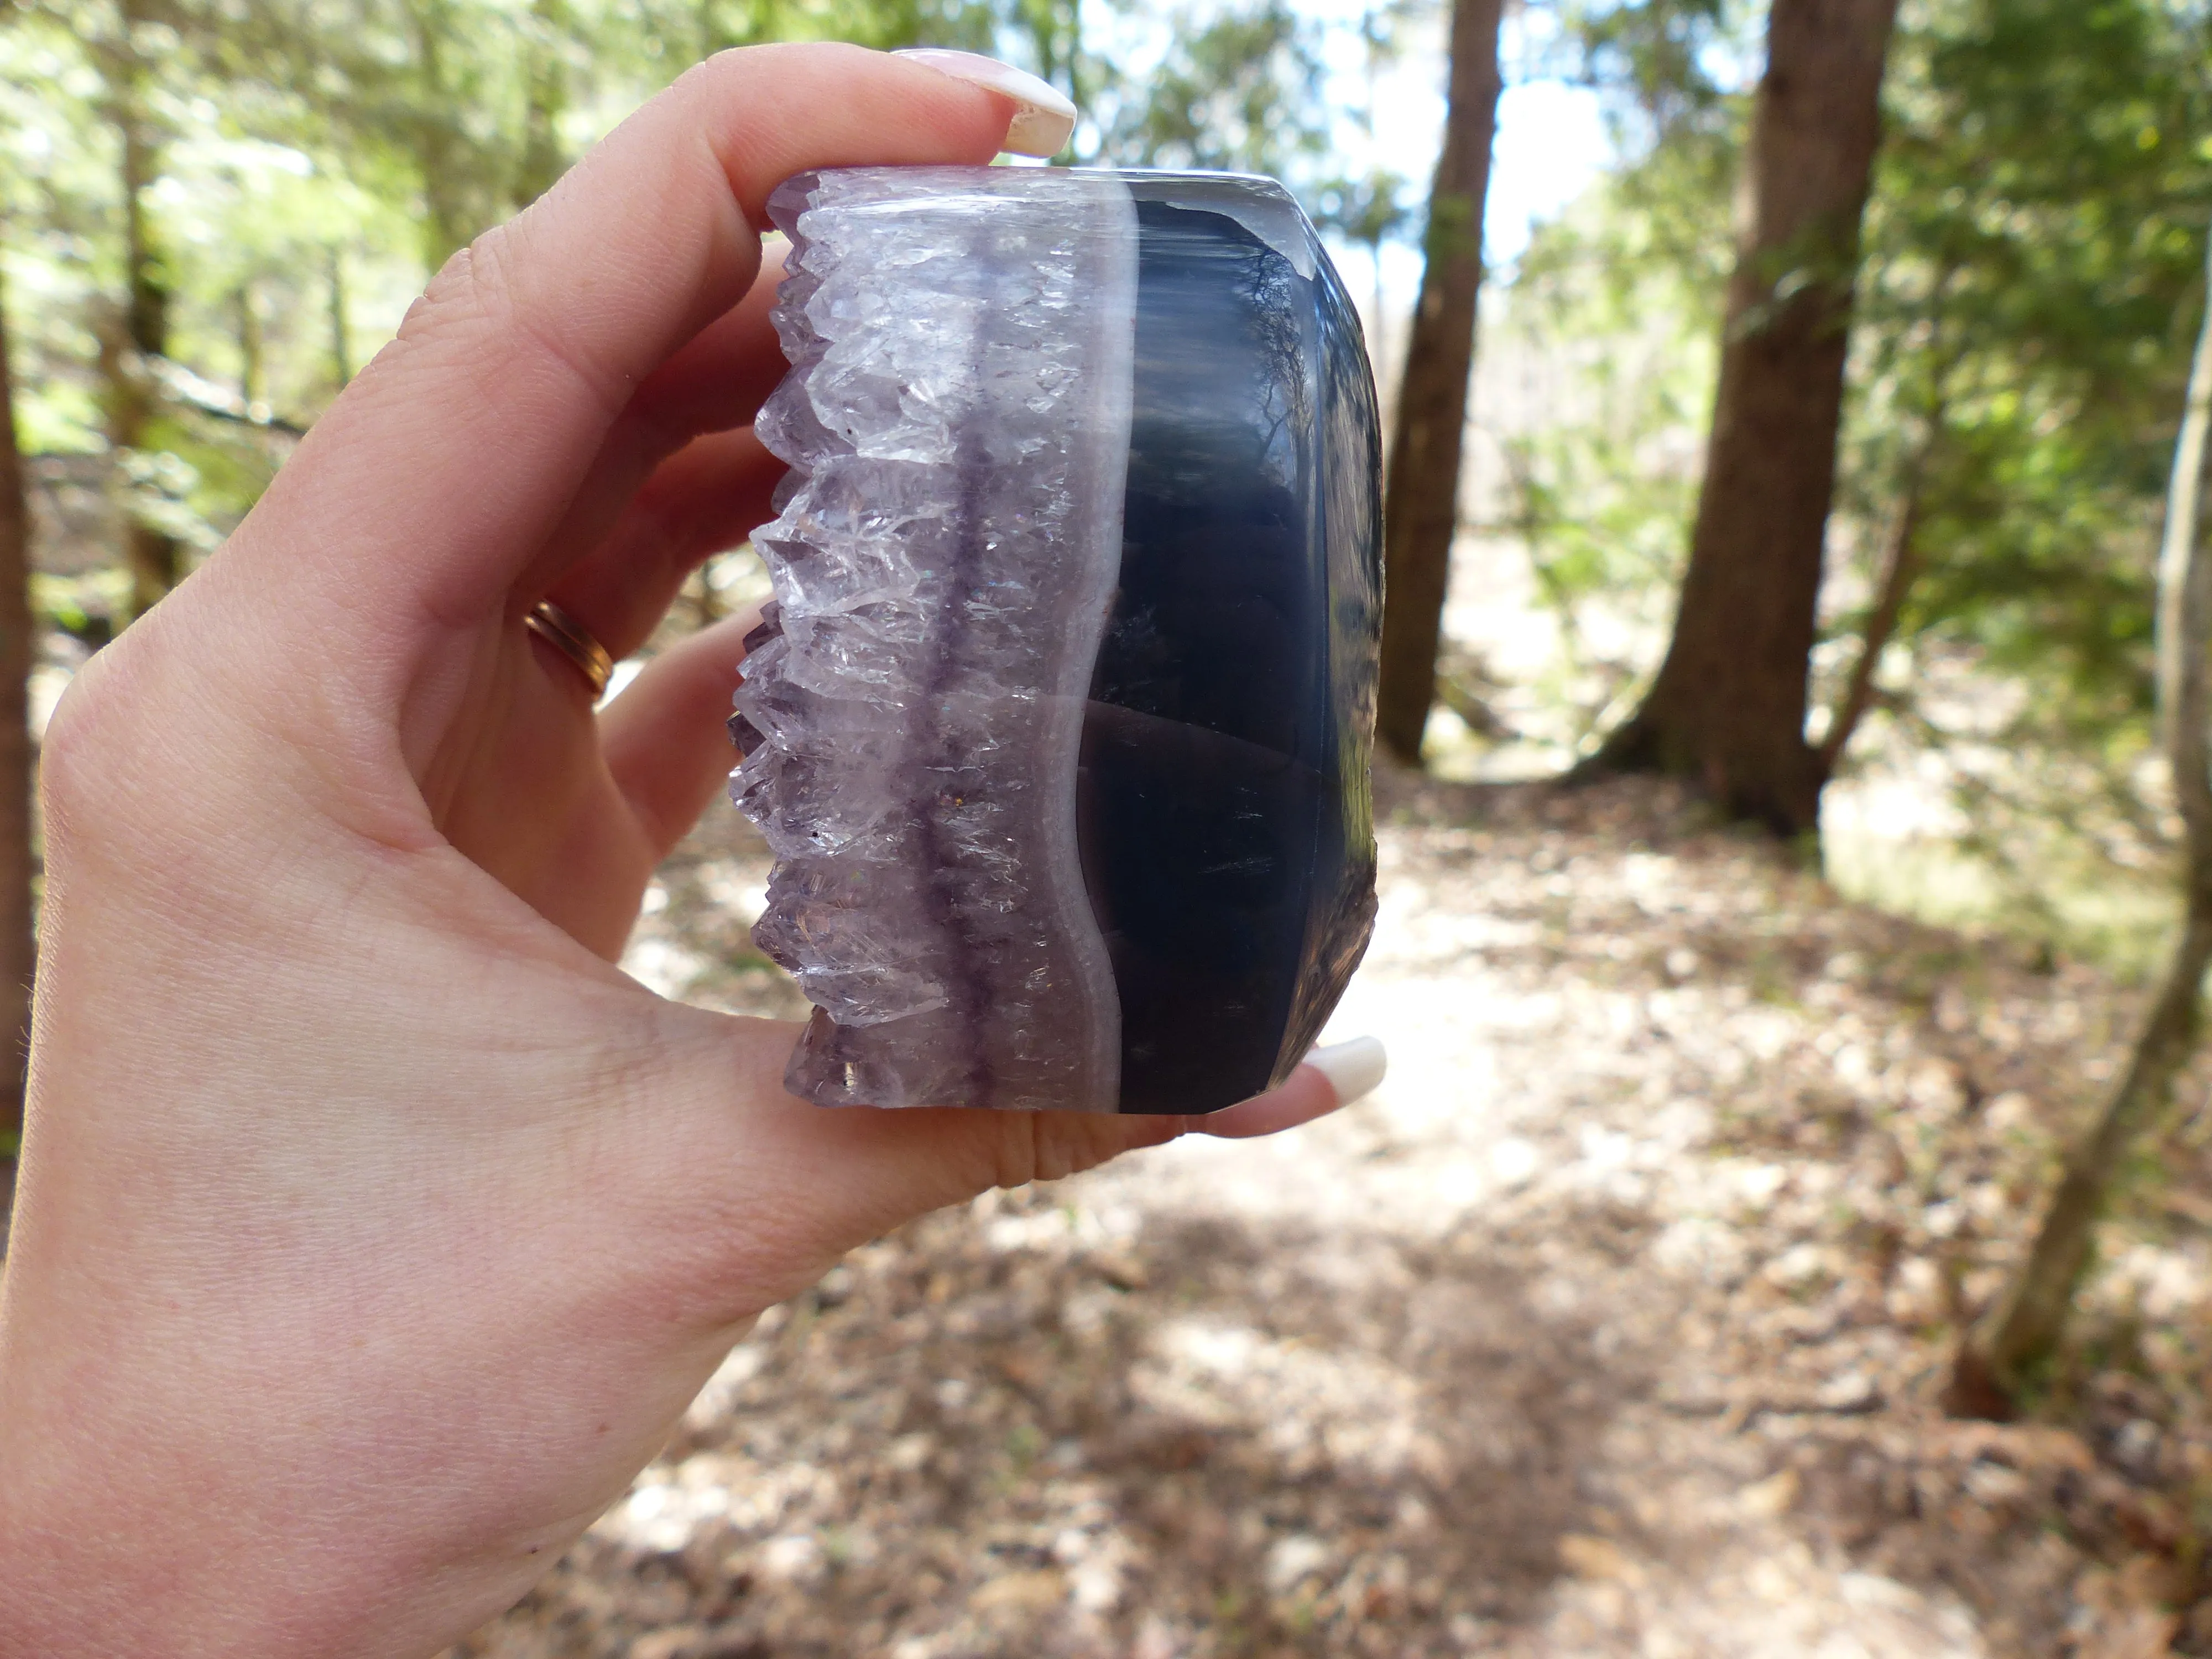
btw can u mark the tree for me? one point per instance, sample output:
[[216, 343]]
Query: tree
[[1238, 93], [2025, 1326], [134, 342], [1727, 706], [1366, 211], [18, 950], [1420, 501], [547, 34], [1053, 29], [2032, 234]]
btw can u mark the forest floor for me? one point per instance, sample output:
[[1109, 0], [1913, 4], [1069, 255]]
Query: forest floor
[[1612, 1324]]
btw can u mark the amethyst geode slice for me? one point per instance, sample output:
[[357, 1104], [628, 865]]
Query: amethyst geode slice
[[1057, 725]]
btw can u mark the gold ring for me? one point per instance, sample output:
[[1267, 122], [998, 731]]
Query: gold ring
[[573, 641]]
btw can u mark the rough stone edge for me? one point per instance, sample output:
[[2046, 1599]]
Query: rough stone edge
[[1112, 348]]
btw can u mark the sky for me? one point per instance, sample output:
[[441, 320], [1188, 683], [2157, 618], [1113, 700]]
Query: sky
[[1552, 140], [1552, 144]]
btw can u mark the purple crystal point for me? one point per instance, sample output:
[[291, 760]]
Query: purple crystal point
[[1057, 725], [943, 571]]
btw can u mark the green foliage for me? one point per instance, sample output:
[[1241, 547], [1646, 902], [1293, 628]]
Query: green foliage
[[241, 224], [1676, 61], [1621, 298], [1371, 210], [2034, 251], [303, 164], [2031, 282], [2032, 285], [1239, 91]]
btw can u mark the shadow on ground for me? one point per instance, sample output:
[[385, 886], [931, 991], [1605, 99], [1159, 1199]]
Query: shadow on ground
[[1031, 1431], [1611, 1325]]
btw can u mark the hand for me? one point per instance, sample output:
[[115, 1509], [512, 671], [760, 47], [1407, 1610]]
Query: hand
[[372, 1228]]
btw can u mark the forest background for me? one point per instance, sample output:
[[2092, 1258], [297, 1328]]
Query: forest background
[[1914, 450]]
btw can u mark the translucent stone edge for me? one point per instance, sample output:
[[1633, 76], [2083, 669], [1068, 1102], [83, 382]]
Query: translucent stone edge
[[1098, 423]]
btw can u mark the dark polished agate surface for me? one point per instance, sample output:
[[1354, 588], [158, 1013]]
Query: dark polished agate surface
[[1059, 727]]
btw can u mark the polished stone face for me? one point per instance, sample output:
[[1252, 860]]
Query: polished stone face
[[1060, 730], [1227, 829]]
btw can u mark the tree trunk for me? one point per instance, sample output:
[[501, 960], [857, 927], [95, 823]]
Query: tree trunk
[[152, 558], [341, 328], [1054, 28], [1420, 502], [545, 101], [437, 140], [252, 382], [1900, 565], [1379, 347], [1727, 707], [18, 952]]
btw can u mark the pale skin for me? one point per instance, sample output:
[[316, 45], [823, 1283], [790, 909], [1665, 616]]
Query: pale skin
[[372, 1229]]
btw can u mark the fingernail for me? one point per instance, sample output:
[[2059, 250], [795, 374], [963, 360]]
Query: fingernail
[[1044, 118], [1353, 1069]]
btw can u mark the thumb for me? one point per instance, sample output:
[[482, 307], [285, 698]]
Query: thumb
[[789, 1187]]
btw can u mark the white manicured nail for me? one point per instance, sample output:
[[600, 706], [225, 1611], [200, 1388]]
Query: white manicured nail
[[1353, 1069], [1044, 118]]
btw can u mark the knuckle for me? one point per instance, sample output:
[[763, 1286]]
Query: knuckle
[[86, 751], [468, 288], [1015, 1149], [144, 752], [1053, 1146], [459, 309]]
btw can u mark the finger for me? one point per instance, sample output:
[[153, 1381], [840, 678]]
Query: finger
[[716, 383], [434, 481], [1332, 1077], [709, 496], [724, 373], [780, 1180], [1306, 1095], [768, 1189], [665, 737]]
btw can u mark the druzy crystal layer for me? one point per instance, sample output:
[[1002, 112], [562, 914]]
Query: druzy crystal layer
[[1057, 725]]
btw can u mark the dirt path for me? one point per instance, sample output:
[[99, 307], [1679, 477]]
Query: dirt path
[[1609, 1326]]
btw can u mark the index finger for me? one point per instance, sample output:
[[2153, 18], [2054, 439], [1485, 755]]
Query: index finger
[[417, 500]]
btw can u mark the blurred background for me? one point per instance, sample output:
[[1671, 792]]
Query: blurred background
[[215, 214], [1797, 880]]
